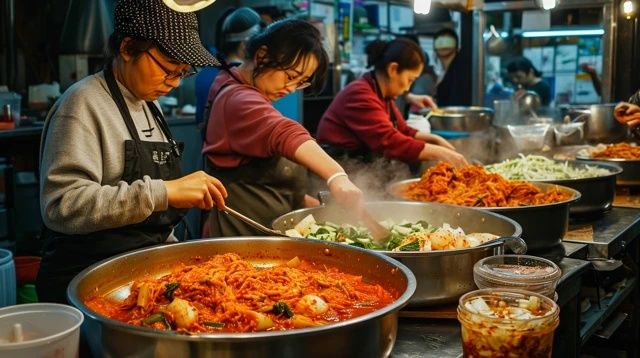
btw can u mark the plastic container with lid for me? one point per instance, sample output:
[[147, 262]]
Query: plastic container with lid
[[524, 272], [46, 330], [507, 323], [7, 279]]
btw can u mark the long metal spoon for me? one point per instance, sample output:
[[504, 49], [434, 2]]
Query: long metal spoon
[[252, 222]]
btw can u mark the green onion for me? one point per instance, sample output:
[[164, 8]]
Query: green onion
[[169, 288], [216, 325], [155, 318]]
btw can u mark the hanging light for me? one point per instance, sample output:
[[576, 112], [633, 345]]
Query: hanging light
[[421, 6], [547, 4], [628, 8]]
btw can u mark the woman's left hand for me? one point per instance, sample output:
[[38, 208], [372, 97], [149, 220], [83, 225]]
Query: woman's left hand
[[434, 139], [421, 101]]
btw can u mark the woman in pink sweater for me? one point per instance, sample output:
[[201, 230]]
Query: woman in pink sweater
[[260, 155], [363, 120]]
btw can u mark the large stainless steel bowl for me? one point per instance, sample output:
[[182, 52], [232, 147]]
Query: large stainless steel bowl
[[465, 119], [597, 193], [370, 335], [630, 175], [543, 226], [443, 276]]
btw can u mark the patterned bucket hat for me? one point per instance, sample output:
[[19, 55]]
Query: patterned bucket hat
[[176, 33]]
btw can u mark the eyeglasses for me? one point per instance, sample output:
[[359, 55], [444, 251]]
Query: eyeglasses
[[291, 80], [171, 75]]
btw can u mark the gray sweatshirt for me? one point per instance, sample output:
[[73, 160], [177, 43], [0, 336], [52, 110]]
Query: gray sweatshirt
[[82, 162]]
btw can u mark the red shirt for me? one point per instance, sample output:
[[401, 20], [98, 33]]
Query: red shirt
[[243, 124], [359, 119]]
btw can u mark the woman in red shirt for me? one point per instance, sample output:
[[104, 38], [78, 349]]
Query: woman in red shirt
[[363, 120], [259, 154]]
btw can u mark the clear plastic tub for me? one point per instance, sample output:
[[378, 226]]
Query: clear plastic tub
[[46, 330], [529, 137], [523, 272], [507, 323]]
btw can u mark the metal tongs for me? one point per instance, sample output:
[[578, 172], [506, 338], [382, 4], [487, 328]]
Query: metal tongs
[[252, 223], [379, 233]]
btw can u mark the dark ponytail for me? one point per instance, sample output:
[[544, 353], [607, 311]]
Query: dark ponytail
[[523, 64], [288, 42], [406, 53]]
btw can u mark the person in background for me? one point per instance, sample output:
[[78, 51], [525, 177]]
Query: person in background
[[232, 32], [363, 120], [523, 74], [425, 84], [454, 77], [628, 113], [260, 155], [110, 178], [593, 74]]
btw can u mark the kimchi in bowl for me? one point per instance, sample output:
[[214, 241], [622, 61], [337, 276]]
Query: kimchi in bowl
[[549, 203], [115, 279]]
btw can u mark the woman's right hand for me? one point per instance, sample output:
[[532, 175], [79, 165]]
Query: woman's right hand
[[436, 152], [345, 192], [196, 190], [627, 113]]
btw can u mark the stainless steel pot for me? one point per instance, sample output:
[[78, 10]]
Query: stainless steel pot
[[600, 125], [543, 226], [465, 119], [114, 276], [443, 276]]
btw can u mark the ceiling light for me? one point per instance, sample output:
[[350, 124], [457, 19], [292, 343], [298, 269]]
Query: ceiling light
[[547, 4], [559, 33], [421, 6], [628, 9]]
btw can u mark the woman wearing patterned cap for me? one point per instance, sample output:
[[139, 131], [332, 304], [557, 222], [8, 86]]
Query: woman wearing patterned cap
[[110, 168], [232, 32], [257, 153]]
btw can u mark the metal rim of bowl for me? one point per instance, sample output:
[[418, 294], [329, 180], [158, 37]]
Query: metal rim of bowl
[[401, 301]]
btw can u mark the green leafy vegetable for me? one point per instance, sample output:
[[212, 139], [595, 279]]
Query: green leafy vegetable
[[282, 308], [169, 288]]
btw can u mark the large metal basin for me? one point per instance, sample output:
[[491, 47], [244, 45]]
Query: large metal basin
[[597, 193], [370, 335], [443, 276], [630, 175], [543, 226]]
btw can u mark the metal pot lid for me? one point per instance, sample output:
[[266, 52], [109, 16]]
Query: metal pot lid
[[517, 269]]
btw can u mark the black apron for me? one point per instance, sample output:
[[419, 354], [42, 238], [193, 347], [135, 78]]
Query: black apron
[[369, 170], [262, 189], [65, 255]]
